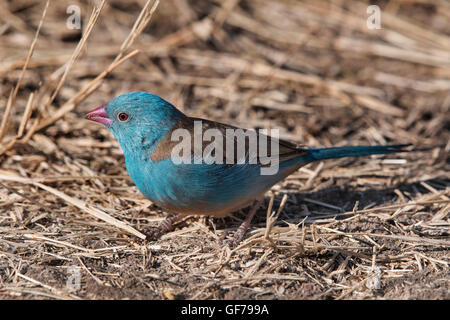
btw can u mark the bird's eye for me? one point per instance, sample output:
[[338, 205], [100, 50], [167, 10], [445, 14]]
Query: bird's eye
[[122, 116]]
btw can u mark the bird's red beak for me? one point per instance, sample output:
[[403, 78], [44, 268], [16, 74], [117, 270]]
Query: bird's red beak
[[99, 115]]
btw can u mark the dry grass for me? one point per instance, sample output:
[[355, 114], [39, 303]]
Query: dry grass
[[347, 229]]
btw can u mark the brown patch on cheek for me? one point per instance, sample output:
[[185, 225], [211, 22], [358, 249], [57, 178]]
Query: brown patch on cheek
[[164, 148]]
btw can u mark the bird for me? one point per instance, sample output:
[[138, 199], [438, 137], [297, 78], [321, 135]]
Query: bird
[[184, 178]]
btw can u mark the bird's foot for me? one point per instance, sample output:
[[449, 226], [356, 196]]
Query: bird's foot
[[237, 238], [165, 226], [155, 233], [243, 228]]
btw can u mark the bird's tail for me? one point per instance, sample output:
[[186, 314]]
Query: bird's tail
[[356, 151]]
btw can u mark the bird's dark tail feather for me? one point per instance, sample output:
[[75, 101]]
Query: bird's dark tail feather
[[356, 151]]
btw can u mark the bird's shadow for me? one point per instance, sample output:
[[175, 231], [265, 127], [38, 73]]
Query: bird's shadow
[[333, 200]]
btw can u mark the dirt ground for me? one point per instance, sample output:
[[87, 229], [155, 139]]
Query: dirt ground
[[355, 228]]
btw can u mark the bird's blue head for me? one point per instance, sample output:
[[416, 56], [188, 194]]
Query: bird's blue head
[[136, 119]]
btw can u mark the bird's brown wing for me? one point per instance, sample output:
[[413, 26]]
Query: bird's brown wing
[[286, 150]]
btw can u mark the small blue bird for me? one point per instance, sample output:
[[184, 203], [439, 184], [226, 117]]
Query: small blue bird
[[195, 181]]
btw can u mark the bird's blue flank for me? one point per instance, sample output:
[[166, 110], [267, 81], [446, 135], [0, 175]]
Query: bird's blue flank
[[201, 187]]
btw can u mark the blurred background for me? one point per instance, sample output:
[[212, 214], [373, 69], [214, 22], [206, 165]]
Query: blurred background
[[323, 72], [313, 69]]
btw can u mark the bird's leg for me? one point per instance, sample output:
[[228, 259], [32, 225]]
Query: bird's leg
[[164, 227], [243, 228]]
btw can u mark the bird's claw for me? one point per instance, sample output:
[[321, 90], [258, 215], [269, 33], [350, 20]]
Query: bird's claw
[[236, 240], [167, 225], [154, 234]]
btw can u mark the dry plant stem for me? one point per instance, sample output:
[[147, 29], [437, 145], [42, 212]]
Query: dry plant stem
[[77, 203], [141, 22], [92, 210], [59, 293], [271, 219], [12, 97], [26, 115], [84, 93], [139, 26], [81, 45]]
